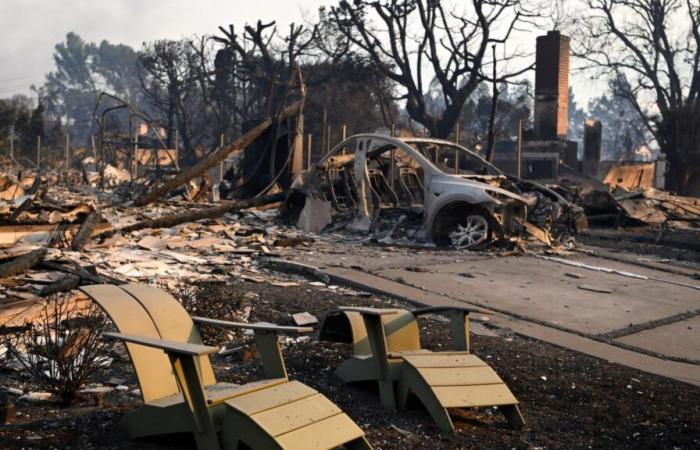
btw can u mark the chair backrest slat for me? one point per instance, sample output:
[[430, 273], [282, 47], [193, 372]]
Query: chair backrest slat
[[172, 321], [152, 366], [401, 329]]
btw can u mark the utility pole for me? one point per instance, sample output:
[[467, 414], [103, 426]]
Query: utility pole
[[491, 143]]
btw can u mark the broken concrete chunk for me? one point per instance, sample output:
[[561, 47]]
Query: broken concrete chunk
[[304, 318], [315, 216]]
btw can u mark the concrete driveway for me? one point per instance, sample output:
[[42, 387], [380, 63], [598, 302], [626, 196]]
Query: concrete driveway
[[624, 311]]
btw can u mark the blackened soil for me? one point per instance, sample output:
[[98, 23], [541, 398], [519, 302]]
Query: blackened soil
[[569, 400]]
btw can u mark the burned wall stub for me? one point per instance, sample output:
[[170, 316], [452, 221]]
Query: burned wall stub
[[552, 86]]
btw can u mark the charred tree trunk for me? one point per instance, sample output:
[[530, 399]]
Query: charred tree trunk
[[678, 134]]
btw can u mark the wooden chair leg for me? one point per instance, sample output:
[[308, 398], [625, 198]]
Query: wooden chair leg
[[402, 399], [359, 444], [426, 395], [386, 394], [187, 375], [513, 416]]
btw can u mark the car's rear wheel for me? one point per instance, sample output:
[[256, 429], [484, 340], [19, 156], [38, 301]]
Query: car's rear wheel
[[470, 232]]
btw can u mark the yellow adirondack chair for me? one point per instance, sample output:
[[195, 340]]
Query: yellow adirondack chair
[[181, 394], [387, 349]]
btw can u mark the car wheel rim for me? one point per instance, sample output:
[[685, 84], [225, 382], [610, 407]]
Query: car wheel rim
[[473, 232]]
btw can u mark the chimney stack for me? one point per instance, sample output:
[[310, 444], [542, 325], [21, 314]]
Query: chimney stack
[[552, 87]]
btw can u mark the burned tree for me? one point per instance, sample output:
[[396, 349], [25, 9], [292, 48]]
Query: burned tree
[[650, 50], [446, 48], [63, 346], [170, 73]]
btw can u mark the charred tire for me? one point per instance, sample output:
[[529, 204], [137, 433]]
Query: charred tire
[[463, 226]]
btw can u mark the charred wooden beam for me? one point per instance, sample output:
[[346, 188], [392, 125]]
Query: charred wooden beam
[[85, 231], [65, 284], [22, 263], [206, 213]]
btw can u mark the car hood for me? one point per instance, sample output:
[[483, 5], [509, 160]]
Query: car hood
[[453, 183]]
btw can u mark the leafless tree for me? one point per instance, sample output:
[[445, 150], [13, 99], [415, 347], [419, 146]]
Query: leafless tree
[[416, 42], [650, 50], [172, 75], [265, 61]]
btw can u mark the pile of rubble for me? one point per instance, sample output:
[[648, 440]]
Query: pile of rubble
[[653, 207], [642, 206]]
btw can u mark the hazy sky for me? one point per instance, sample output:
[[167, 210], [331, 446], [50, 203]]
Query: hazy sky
[[31, 28]]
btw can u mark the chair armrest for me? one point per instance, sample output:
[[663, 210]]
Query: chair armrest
[[260, 326], [368, 311], [372, 317], [178, 348], [459, 323]]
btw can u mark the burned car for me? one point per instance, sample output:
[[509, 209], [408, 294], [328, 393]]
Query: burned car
[[430, 190]]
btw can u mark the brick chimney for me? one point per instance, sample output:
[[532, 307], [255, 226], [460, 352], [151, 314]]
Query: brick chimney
[[552, 87]]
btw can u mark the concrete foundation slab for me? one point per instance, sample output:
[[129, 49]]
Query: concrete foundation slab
[[679, 339]]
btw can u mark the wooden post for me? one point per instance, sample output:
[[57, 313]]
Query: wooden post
[[67, 151], [519, 171], [323, 136], [136, 155], [12, 143], [308, 151], [328, 143], [38, 153], [221, 164], [297, 157], [343, 134], [94, 148], [393, 169], [457, 137]]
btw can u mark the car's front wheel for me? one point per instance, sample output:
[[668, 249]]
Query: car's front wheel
[[470, 232]]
